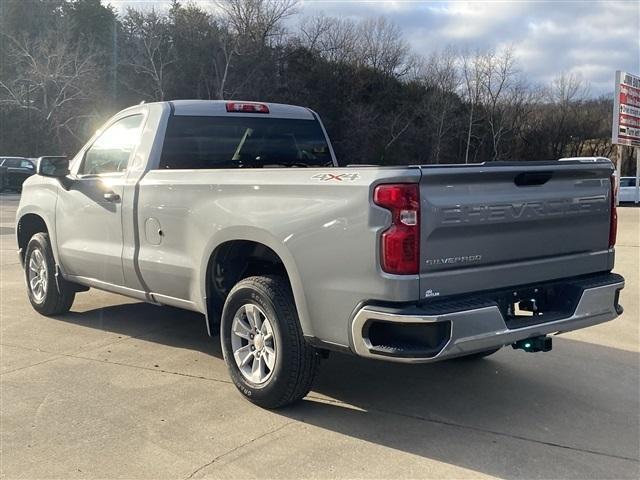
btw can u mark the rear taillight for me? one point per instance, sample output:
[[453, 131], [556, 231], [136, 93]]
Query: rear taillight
[[247, 107], [613, 226], [400, 243]]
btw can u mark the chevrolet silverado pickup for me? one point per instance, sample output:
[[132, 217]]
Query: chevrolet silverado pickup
[[241, 211]]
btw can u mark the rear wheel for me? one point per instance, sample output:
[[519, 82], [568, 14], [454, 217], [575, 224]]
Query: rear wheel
[[47, 296], [268, 359]]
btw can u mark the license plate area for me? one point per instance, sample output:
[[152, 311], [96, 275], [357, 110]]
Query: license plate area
[[538, 304]]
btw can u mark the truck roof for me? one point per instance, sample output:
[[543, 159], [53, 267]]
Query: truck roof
[[208, 108]]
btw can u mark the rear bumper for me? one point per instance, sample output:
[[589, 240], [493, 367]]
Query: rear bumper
[[460, 328]]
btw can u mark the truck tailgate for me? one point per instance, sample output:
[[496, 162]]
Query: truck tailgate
[[505, 224]]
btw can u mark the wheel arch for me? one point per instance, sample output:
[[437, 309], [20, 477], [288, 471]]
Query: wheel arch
[[248, 242], [27, 226]]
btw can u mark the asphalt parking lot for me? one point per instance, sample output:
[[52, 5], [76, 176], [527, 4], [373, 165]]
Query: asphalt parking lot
[[122, 389]]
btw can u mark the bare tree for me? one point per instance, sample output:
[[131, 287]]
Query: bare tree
[[257, 20], [376, 43], [53, 79], [566, 93], [499, 91], [401, 120], [247, 29], [523, 101], [440, 75], [61, 68], [382, 47], [334, 39], [228, 49], [150, 52], [567, 88], [472, 73]]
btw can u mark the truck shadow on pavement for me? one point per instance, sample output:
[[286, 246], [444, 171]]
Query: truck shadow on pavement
[[164, 325], [572, 413], [569, 413]]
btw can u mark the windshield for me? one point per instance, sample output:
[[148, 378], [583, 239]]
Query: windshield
[[249, 142]]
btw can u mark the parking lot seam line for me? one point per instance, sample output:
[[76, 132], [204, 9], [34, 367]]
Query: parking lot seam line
[[235, 449], [124, 338], [80, 357], [480, 430], [339, 402], [119, 340], [33, 364], [198, 377]]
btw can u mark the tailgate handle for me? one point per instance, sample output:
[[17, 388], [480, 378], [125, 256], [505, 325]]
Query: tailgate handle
[[528, 179]]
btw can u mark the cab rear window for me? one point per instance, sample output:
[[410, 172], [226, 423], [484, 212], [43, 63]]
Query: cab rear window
[[243, 142]]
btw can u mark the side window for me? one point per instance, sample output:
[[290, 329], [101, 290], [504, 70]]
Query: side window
[[627, 182], [26, 164], [112, 150]]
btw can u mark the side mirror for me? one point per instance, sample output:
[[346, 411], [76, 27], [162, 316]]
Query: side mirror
[[57, 167]]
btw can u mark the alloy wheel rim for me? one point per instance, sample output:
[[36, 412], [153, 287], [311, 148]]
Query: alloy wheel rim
[[253, 343], [38, 275]]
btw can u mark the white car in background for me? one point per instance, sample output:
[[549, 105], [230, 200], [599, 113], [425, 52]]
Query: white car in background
[[627, 191]]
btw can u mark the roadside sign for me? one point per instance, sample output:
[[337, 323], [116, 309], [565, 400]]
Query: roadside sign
[[626, 110], [626, 120]]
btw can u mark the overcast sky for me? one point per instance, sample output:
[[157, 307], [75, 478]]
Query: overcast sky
[[588, 38]]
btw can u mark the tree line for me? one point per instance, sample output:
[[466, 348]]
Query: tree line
[[67, 65]]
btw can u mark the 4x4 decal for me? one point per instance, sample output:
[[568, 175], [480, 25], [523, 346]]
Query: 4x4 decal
[[336, 177]]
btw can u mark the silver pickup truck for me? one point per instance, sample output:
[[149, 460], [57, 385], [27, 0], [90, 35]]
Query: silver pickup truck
[[240, 211]]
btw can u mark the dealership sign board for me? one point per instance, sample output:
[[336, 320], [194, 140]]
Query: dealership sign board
[[626, 110]]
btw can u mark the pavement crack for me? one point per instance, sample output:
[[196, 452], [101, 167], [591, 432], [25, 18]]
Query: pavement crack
[[332, 401], [121, 339], [481, 430], [517, 437], [198, 377], [110, 362], [235, 449], [33, 364]]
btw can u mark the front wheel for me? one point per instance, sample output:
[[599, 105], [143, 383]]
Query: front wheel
[[268, 359], [47, 296]]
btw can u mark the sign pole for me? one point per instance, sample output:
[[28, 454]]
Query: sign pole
[[619, 155], [637, 199]]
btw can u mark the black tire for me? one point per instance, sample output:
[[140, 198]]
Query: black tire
[[58, 296], [296, 362], [479, 355]]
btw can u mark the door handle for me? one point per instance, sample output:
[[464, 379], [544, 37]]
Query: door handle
[[111, 197]]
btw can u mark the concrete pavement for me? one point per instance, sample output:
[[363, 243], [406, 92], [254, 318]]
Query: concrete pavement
[[122, 389]]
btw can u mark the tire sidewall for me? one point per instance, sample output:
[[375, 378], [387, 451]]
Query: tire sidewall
[[270, 391], [40, 242]]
